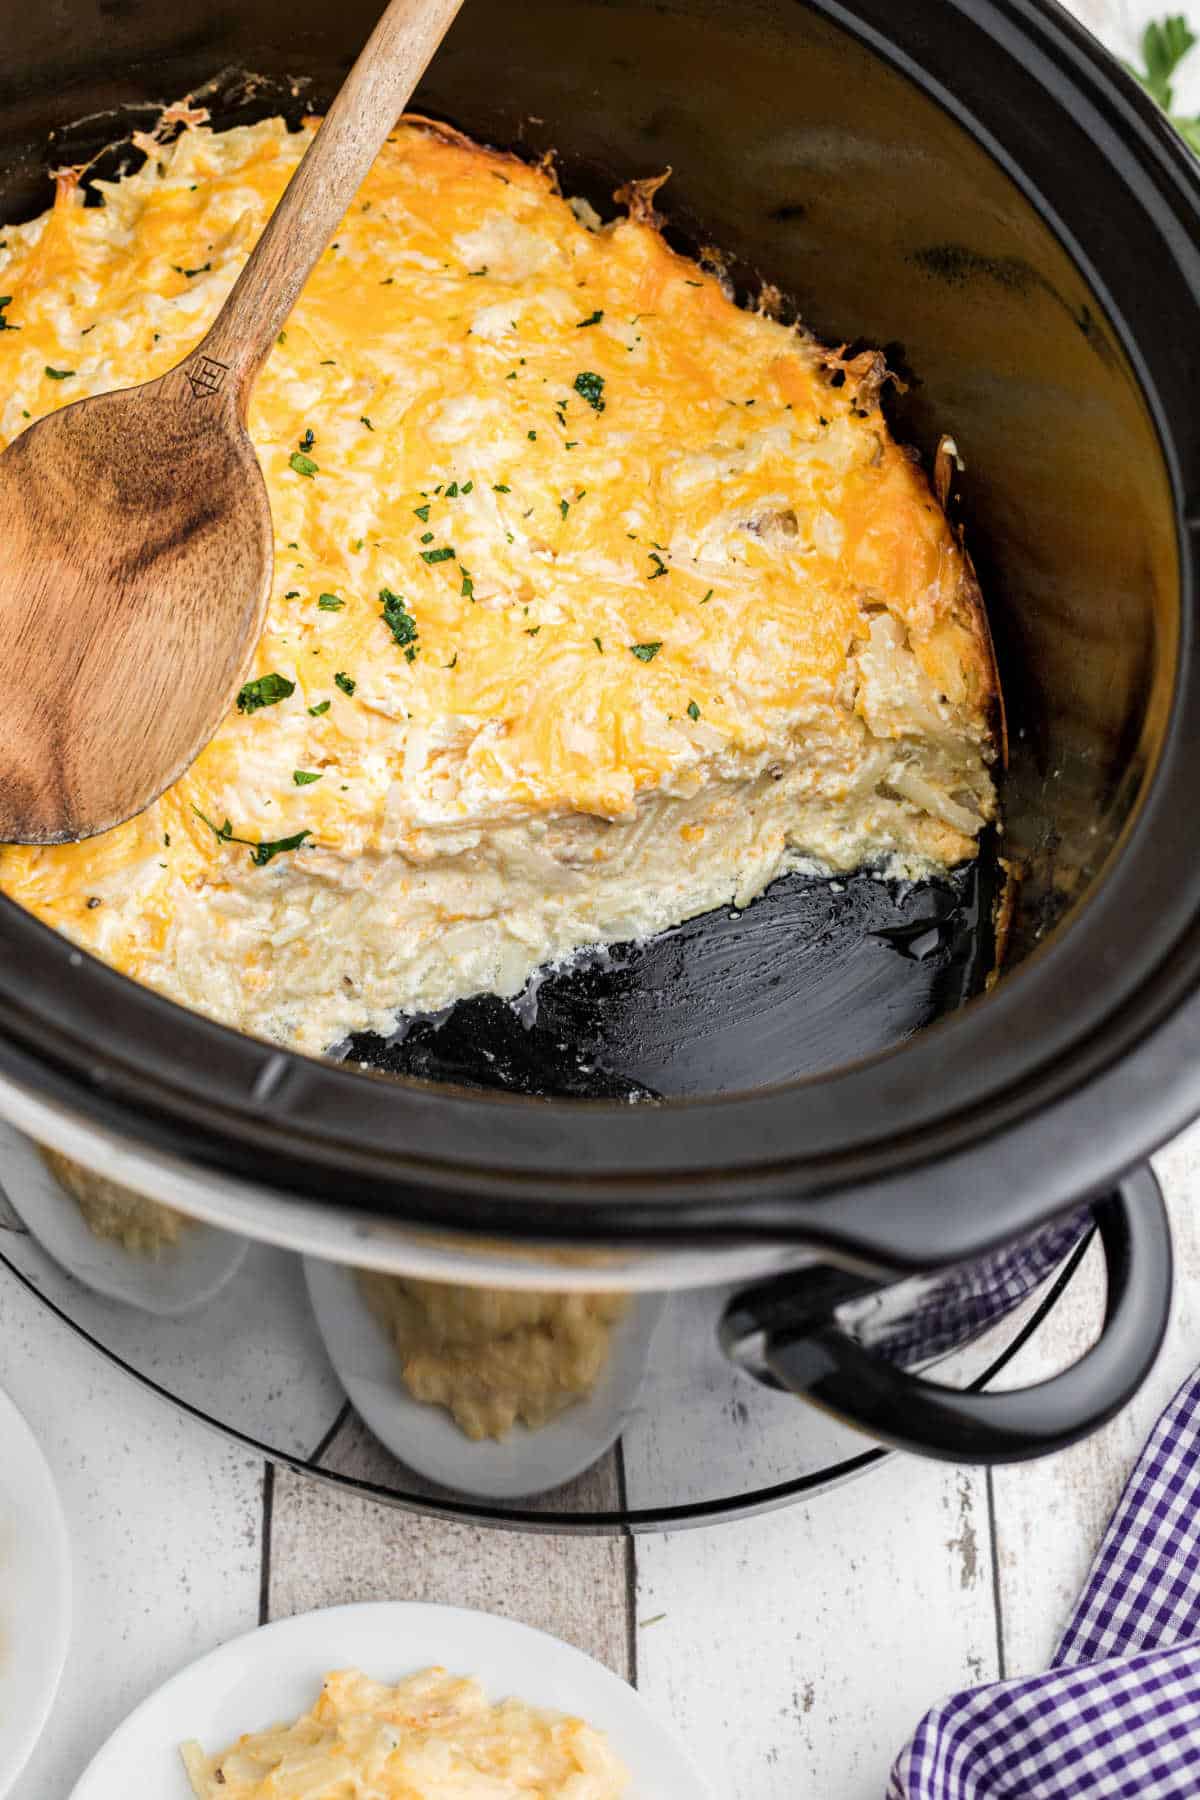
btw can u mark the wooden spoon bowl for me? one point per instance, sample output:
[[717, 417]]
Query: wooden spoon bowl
[[135, 532], [130, 523]]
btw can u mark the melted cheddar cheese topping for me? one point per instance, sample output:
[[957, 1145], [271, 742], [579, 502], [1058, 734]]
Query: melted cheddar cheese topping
[[571, 552]]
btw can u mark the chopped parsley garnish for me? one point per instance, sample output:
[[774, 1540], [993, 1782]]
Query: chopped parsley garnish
[[590, 387], [322, 706], [303, 465], [437, 556], [453, 663], [400, 622], [467, 486], [427, 537], [306, 777], [570, 443], [260, 853], [593, 320], [365, 421], [5, 324], [330, 603], [660, 566], [646, 652], [452, 491], [694, 284], [693, 711], [223, 833], [707, 597], [292, 594], [202, 270], [482, 271], [308, 440], [564, 507], [532, 630], [499, 487], [59, 374], [532, 436], [599, 645], [345, 682], [467, 591], [422, 513], [267, 690]]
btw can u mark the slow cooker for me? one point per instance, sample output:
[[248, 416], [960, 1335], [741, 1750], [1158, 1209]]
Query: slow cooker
[[854, 1103]]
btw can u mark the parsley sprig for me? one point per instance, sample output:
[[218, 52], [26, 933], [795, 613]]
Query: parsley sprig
[[1165, 43], [262, 851]]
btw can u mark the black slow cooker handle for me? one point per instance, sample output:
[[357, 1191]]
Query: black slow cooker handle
[[798, 1346]]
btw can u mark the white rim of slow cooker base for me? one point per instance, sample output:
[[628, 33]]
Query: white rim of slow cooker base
[[313, 1229]]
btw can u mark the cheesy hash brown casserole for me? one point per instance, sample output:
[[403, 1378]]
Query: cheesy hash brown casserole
[[599, 602], [432, 1737]]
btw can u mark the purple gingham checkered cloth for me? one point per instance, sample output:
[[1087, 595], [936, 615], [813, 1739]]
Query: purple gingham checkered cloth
[[962, 1302], [1118, 1715]]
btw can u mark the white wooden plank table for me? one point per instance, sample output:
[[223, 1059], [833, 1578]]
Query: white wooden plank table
[[793, 1651]]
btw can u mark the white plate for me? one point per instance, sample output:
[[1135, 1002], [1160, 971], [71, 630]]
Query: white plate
[[426, 1437], [275, 1674], [182, 1276], [35, 1592]]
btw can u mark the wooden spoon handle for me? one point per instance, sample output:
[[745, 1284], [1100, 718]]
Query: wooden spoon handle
[[350, 137]]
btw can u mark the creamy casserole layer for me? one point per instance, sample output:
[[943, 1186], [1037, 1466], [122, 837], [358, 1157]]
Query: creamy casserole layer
[[599, 601], [433, 1736]]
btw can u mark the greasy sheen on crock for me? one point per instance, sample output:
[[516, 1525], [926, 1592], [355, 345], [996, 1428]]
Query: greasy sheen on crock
[[599, 601]]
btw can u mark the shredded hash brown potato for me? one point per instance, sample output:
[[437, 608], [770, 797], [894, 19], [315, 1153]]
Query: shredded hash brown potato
[[599, 602], [138, 1224], [432, 1737], [494, 1357]]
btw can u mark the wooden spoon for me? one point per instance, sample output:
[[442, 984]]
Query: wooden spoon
[[135, 531]]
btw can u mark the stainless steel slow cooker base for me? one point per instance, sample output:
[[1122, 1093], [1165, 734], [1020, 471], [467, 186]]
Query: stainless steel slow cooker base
[[705, 1441]]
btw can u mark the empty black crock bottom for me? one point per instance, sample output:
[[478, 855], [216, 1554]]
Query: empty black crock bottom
[[816, 973]]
